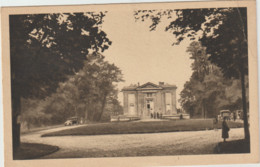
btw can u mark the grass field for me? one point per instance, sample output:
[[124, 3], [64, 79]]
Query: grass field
[[33, 150], [142, 127]]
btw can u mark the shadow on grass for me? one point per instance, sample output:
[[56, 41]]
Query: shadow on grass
[[33, 151], [236, 146]]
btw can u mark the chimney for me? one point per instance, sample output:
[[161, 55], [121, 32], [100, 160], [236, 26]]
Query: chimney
[[161, 83]]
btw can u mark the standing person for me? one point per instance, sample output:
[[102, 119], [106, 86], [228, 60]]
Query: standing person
[[215, 123], [235, 116], [181, 117], [225, 129]]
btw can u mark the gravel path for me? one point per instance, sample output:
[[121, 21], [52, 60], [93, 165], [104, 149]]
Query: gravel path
[[152, 144]]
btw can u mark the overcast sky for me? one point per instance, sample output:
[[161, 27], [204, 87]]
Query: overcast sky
[[145, 56]]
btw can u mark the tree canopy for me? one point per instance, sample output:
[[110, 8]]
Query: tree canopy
[[207, 92], [46, 48]]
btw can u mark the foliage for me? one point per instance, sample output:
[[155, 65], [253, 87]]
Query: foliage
[[97, 80], [207, 91], [33, 113], [45, 48], [90, 94]]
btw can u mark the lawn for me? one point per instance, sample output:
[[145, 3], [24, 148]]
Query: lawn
[[33, 150], [142, 127], [236, 146]]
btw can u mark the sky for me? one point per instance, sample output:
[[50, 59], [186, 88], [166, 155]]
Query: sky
[[143, 55]]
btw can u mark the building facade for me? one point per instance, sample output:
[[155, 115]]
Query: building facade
[[144, 100]]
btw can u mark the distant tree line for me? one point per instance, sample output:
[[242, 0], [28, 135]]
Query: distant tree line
[[90, 94], [208, 91]]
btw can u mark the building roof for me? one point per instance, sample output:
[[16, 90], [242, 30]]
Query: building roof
[[148, 85]]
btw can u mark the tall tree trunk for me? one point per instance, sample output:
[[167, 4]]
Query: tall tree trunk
[[86, 113], [205, 110], [246, 126], [16, 111], [89, 108], [203, 115], [76, 110], [103, 104]]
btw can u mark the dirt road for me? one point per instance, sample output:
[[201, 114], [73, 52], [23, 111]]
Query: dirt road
[[153, 144]]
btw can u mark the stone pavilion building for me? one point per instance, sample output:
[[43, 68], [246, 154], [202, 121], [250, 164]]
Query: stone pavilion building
[[144, 100]]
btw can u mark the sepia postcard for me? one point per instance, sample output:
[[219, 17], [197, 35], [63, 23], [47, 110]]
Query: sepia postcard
[[138, 84]]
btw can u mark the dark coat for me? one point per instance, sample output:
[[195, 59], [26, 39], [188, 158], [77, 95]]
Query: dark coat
[[225, 130]]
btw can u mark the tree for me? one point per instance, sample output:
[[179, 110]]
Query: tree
[[45, 49], [227, 44], [113, 105], [205, 85], [187, 99], [33, 113], [97, 84], [86, 93]]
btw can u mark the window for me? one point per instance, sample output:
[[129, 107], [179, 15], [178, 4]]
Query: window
[[131, 104], [168, 97]]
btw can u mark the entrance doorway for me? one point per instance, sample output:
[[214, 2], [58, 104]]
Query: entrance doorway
[[149, 107]]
